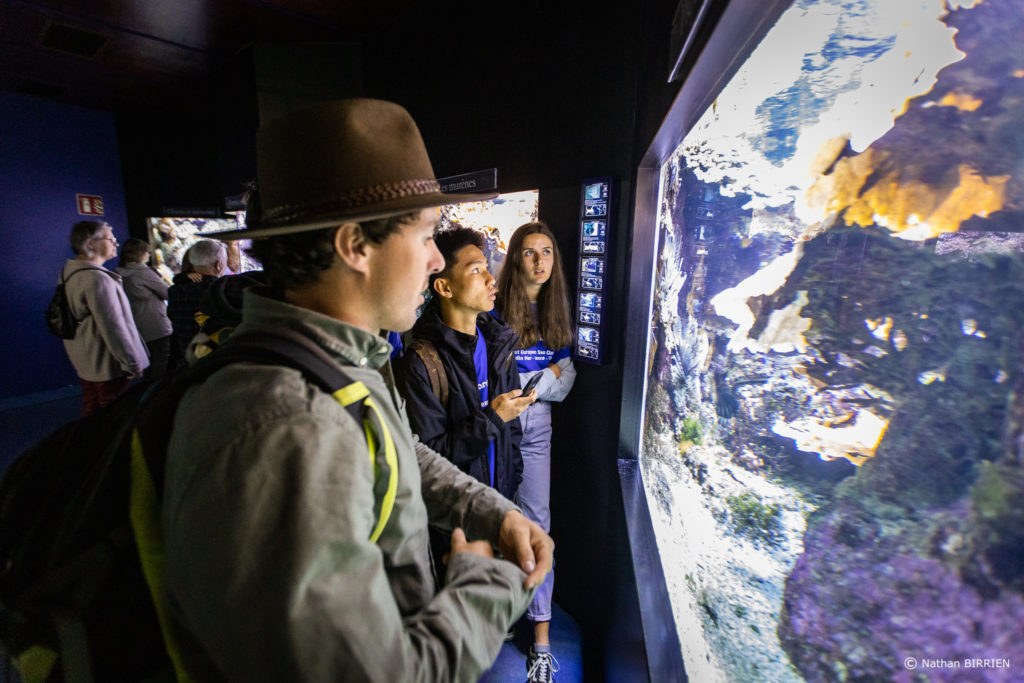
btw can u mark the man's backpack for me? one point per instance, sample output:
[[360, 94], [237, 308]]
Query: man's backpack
[[435, 368], [220, 311], [60, 321], [81, 561]]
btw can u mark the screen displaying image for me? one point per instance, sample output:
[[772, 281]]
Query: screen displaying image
[[594, 229], [589, 335], [596, 209], [593, 247], [596, 191], [587, 350], [592, 282], [832, 423], [593, 266], [590, 302], [590, 317], [171, 237], [497, 219]]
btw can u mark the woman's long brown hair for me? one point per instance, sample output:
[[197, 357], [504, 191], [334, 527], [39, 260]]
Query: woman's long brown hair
[[553, 322]]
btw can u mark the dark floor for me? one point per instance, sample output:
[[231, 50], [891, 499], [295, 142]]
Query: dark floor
[[565, 646], [24, 422]]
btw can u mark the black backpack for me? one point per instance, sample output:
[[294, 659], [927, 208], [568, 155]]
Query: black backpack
[[76, 602], [60, 321]]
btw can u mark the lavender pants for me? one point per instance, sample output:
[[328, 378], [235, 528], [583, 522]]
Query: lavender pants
[[534, 494]]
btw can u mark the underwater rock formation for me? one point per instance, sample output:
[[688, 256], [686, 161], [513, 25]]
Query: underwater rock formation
[[865, 596], [921, 554], [834, 432]]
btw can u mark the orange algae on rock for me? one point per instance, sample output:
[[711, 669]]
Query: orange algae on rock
[[839, 189], [961, 100], [911, 208]]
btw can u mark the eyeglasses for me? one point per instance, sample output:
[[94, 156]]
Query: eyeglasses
[[110, 239]]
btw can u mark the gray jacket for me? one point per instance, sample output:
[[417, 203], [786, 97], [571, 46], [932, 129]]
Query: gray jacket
[[147, 294], [268, 506], [106, 345]]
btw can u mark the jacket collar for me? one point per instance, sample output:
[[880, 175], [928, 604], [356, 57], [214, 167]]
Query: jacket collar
[[348, 344], [74, 264], [498, 336]]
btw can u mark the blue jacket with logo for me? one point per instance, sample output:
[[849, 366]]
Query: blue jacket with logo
[[461, 430]]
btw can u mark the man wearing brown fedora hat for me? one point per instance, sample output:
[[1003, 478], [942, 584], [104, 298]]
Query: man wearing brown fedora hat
[[296, 537]]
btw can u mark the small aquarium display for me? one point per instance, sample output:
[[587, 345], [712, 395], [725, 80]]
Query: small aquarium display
[[170, 237], [833, 421], [497, 219]]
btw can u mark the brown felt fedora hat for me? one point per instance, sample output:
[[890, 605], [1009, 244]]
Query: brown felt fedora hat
[[339, 162]]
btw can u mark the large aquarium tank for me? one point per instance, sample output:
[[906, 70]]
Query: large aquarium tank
[[832, 436]]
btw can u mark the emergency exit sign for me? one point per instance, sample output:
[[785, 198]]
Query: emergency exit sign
[[89, 204]]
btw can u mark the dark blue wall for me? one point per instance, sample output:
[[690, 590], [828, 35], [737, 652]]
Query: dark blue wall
[[48, 153]]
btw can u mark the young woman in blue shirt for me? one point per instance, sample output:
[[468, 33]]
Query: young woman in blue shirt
[[533, 300]]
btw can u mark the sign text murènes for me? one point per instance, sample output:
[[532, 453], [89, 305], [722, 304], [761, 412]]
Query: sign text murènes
[[478, 181]]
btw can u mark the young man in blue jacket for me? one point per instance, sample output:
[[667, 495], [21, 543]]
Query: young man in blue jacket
[[476, 425]]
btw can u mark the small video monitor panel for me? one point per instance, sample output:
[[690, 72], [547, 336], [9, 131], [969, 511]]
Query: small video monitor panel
[[595, 243], [589, 301]]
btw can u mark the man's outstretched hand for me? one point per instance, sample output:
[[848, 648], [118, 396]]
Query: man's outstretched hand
[[525, 543]]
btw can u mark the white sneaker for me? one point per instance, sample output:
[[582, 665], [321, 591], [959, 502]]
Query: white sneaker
[[540, 667]]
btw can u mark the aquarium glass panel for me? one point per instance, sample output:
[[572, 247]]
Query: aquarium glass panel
[[497, 219], [833, 441]]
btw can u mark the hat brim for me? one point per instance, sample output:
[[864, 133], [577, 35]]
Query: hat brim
[[394, 208]]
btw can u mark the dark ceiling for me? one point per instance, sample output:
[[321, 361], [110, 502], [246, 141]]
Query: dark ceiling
[[160, 53]]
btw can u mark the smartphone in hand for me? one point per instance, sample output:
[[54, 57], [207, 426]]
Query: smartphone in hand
[[534, 381]]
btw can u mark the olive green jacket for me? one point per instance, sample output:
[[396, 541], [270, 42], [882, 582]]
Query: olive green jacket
[[268, 507]]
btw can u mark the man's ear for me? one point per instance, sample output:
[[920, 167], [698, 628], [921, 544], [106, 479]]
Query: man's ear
[[442, 288], [351, 246]]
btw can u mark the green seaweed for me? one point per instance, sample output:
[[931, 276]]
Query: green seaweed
[[755, 519], [994, 493], [692, 430], [705, 602], [997, 498]]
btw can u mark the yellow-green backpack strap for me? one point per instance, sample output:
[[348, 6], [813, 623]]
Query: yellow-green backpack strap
[[381, 446], [149, 538], [35, 664], [271, 346]]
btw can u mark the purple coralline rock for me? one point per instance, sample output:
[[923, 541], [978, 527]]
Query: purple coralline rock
[[867, 606]]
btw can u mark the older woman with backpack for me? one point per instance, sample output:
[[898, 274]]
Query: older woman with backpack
[[106, 350]]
